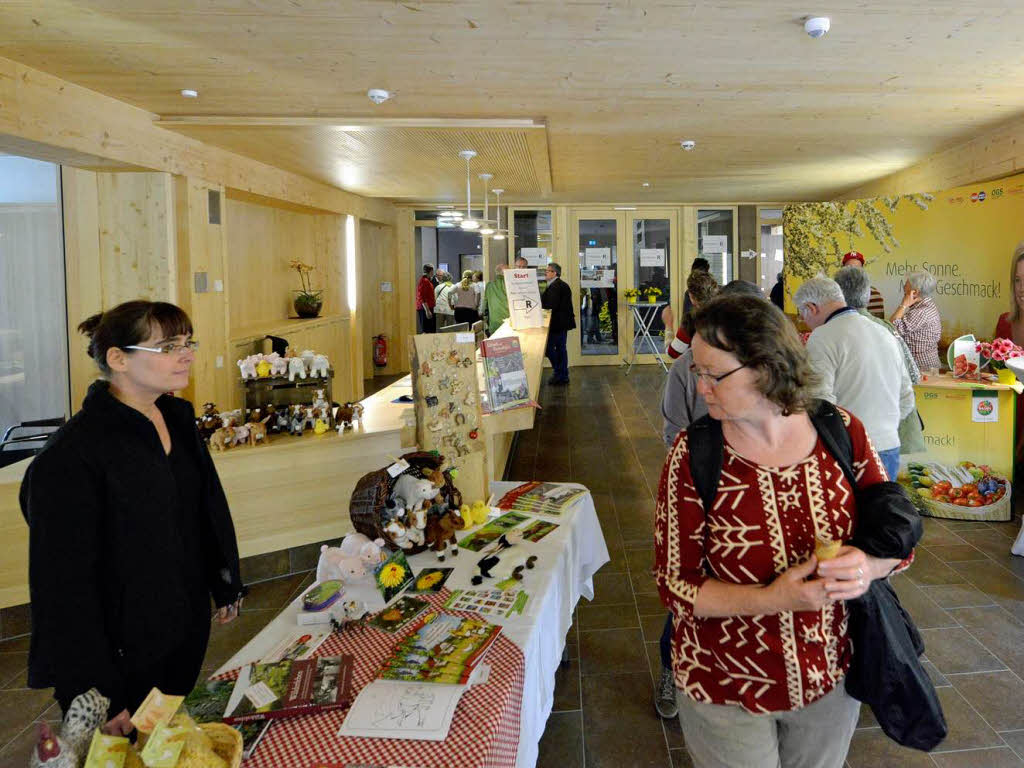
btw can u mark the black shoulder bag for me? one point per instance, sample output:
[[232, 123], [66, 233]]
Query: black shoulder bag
[[885, 672]]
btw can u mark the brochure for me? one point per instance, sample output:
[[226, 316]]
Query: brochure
[[542, 498], [399, 614], [393, 575], [430, 580], [489, 602], [442, 649], [290, 688], [481, 537], [505, 373], [537, 530], [299, 645]]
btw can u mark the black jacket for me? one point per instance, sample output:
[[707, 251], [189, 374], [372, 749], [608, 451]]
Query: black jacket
[[558, 298], [106, 576]]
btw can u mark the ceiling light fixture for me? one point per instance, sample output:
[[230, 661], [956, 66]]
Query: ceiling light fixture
[[645, 184], [378, 95], [688, 145], [500, 233], [817, 26], [625, 208], [486, 230], [188, 93], [469, 222]]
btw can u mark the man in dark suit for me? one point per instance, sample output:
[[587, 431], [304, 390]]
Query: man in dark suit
[[558, 298]]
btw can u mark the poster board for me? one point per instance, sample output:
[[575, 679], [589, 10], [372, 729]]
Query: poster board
[[523, 292], [714, 244], [597, 257], [446, 400], [652, 257], [535, 257]]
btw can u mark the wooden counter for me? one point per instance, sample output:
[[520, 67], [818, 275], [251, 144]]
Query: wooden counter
[[295, 490]]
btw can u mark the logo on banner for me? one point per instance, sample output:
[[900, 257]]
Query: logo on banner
[[978, 197]]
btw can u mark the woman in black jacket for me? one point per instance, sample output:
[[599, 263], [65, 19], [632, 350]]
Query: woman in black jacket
[[130, 533]]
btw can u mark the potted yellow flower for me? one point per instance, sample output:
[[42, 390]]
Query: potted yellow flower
[[652, 294], [632, 294], [308, 302]]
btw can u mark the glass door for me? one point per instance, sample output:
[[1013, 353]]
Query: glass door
[[653, 236], [601, 322], [716, 240]]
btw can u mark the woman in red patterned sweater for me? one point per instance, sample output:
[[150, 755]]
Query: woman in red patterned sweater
[[760, 647]]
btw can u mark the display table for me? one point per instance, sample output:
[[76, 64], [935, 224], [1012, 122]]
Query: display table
[[954, 430], [644, 314], [567, 561]]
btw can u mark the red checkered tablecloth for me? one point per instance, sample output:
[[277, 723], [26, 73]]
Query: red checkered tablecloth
[[484, 732]]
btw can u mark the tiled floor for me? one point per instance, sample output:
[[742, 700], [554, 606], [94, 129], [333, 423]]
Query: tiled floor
[[965, 591]]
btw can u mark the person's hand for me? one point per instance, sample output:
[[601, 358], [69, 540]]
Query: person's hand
[[121, 725], [667, 318], [795, 590], [228, 613], [428, 311], [910, 297], [848, 575]]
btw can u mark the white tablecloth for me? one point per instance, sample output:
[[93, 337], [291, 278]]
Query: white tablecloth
[[568, 558]]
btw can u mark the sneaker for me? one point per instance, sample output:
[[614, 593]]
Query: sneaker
[[665, 696]]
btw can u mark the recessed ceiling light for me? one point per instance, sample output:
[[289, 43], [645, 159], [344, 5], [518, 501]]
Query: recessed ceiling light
[[625, 208], [188, 93], [378, 95], [645, 183], [688, 145], [817, 26]]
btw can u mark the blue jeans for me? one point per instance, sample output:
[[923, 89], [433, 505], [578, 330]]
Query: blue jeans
[[665, 645], [558, 354], [891, 461]]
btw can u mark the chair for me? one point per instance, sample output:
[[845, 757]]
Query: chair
[[41, 431]]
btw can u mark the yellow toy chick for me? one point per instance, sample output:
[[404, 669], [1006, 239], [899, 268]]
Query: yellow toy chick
[[466, 515], [319, 427], [263, 369], [479, 512]]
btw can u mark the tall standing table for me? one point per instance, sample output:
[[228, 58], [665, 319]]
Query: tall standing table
[[643, 318]]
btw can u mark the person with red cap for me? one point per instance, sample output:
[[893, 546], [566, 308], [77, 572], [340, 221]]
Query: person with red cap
[[876, 304]]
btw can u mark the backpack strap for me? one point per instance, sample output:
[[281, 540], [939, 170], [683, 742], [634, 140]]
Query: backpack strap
[[705, 441], [828, 422]]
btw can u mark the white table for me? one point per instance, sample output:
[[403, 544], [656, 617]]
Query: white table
[[568, 558], [643, 318]]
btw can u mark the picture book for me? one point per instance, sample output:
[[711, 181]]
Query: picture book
[[394, 709], [430, 580], [207, 703], [542, 498], [298, 645], [442, 649], [399, 614], [537, 530], [489, 602], [481, 537], [393, 575], [505, 373], [289, 688]]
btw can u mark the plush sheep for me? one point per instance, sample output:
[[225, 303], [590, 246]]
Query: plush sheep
[[296, 366], [278, 364], [410, 492], [319, 366], [247, 367], [334, 564]]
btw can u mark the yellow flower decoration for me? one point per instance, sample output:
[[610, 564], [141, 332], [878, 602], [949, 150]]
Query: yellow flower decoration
[[392, 574], [428, 580]]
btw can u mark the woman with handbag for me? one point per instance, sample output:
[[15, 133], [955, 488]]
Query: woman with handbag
[[760, 648]]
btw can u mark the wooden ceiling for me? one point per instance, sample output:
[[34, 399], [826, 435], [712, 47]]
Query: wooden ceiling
[[776, 115]]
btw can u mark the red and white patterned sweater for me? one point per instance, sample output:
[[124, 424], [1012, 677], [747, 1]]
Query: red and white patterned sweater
[[764, 521]]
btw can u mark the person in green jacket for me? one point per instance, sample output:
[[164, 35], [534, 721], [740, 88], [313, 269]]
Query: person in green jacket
[[495, 302]]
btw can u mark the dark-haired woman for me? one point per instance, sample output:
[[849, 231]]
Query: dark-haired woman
[[130, 533], [760, 648]]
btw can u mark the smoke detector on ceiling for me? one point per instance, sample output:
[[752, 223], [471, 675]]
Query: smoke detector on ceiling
[[689, 145], [378, 95], [817, 26], [189, 93]]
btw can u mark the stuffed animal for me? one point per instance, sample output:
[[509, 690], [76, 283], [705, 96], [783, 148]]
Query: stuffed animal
[[247, 367], [479, 512], [278, 364], [222, 439], [241, 434], [257, 433], [399, 534], [209, 422], [87, 712], [282, 422], [319, 427], [231, 418], [441, 533], [296, 368], [334, 564], [318, 366], [319, 401], [298, 421], [410, 492], [416, 523], [263, 369], [370, 551]]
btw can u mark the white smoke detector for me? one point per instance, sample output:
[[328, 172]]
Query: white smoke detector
[[817, 26], [189, 93], [378, 95], [688, 145]]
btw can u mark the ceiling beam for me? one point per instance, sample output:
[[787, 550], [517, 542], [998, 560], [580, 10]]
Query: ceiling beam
[[350, 123]]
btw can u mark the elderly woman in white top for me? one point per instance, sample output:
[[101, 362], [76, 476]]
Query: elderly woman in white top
[[917, 320]]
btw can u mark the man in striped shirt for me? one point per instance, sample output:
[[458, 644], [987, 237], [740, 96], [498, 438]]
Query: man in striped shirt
[[876, 305]]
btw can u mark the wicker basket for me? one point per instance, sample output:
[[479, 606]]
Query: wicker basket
[[368, 506], [998, 510], [227, 742]]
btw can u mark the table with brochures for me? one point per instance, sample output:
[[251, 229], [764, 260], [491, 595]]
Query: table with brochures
[[521, 663]]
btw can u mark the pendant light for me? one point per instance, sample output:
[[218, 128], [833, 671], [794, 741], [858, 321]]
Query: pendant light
[[499, 233], [486, 230], [469, 222]]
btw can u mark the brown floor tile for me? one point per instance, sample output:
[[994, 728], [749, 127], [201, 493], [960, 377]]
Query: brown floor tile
[[272, 595], [262, 567], [949, 553], [673, 732], [610, 651], [16, 645], [640, 559], [610, 749], [681, 758], [643, 584], [653, 660], [611, 588], [929, 569], [650, 605], [999, 631], [967, 729], [567, 688], [561, 746], [18, 750], [996, 696], [15, 621], [306, 557], [607, 616], [866, 718], [1000, 757], [12, 665], [922, 609], [997, 548], [652, 627], [1015, 740], [870, 748], [620, 702], [226, 640], [991, 578], [953, 650], [958, 596], [939, 680], [937, 533], [19, 708]]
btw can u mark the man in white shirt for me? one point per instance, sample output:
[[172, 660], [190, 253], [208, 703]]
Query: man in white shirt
[[859, 364]]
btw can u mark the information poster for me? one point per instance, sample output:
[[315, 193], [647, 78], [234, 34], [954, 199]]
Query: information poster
[[535, 257], [714, 244], [597, 278], [652, 257], [523, 298], [597, 257]]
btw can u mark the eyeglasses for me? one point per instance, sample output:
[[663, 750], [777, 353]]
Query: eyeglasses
[[709, 378], [168, 349]]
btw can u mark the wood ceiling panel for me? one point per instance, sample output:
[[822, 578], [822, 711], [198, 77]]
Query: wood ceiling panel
[[618, 83]]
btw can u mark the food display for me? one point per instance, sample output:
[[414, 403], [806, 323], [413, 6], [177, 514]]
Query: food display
[[965, 485]]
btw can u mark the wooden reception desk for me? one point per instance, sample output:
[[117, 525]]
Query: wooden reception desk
[[296, 490]]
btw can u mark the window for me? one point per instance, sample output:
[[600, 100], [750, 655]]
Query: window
[[771, 257], [534, 238], [33, 316], [715, 242]]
